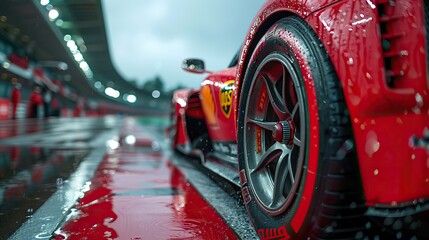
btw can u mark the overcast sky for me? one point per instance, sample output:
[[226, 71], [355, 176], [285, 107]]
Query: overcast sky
[[151, 37]]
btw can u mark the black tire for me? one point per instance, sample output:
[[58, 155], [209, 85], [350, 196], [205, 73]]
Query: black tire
[[299, 171]]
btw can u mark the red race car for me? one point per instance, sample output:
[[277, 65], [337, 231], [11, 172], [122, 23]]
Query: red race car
[[322, 119]]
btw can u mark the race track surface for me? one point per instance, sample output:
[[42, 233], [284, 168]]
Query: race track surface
[[112, 178]]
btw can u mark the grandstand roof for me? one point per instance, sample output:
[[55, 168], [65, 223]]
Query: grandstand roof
[[81, 19]]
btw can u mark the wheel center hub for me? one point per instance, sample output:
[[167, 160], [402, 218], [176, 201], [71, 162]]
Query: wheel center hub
[[283, 132]]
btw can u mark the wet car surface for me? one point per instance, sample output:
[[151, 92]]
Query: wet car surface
[[108, 177]]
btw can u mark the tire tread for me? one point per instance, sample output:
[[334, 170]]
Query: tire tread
[[341, 175]]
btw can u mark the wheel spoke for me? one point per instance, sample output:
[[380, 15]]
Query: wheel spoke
[[265, 125], [276, 99], [297, 141], [279, 180], [284, 82], [269, 156], [289, 168], [295, 109]]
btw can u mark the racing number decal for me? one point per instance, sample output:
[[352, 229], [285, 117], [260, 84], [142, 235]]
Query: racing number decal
[[226, 97]]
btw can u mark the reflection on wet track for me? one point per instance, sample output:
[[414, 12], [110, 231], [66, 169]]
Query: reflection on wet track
[[104, 178], [29, 178], [137, 194], [36, 159]]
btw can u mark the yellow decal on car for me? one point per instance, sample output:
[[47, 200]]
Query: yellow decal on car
[[226, 97], [208, 104]]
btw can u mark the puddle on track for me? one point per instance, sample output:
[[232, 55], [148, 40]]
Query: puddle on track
[[28, 177]]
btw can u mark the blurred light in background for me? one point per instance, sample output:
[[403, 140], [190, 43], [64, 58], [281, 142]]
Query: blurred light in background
[[131, 98], [44, 2], [77, 47], [130, 139], [112, 144], [98, 85], [78, 57], [67, 38], [59, 22], [53, 14], [112, 92], [156, 94], [72, 45], [155, 146], [83, 65]]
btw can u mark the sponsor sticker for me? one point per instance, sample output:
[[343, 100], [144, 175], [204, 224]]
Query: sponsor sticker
[[246, 195], [243, 178], [262, 98], [273, 233], [225, 96], [258, 140]]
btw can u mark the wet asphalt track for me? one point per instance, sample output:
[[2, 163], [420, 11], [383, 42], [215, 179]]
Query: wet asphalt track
[[110, 177]]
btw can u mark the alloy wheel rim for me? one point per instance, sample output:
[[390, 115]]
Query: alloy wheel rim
[[274, 131]]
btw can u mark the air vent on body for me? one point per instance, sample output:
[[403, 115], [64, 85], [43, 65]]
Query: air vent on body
[[389, 37]]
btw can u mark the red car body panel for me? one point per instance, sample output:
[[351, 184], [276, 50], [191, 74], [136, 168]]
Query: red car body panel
[[386, 91], [216, 96], [180, 102], [386, 120]]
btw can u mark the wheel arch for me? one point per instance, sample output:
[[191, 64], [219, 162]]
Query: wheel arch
[[271, 12]]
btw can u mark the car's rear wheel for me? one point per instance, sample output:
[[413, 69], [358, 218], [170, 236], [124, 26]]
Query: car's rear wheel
[[298, 168]]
